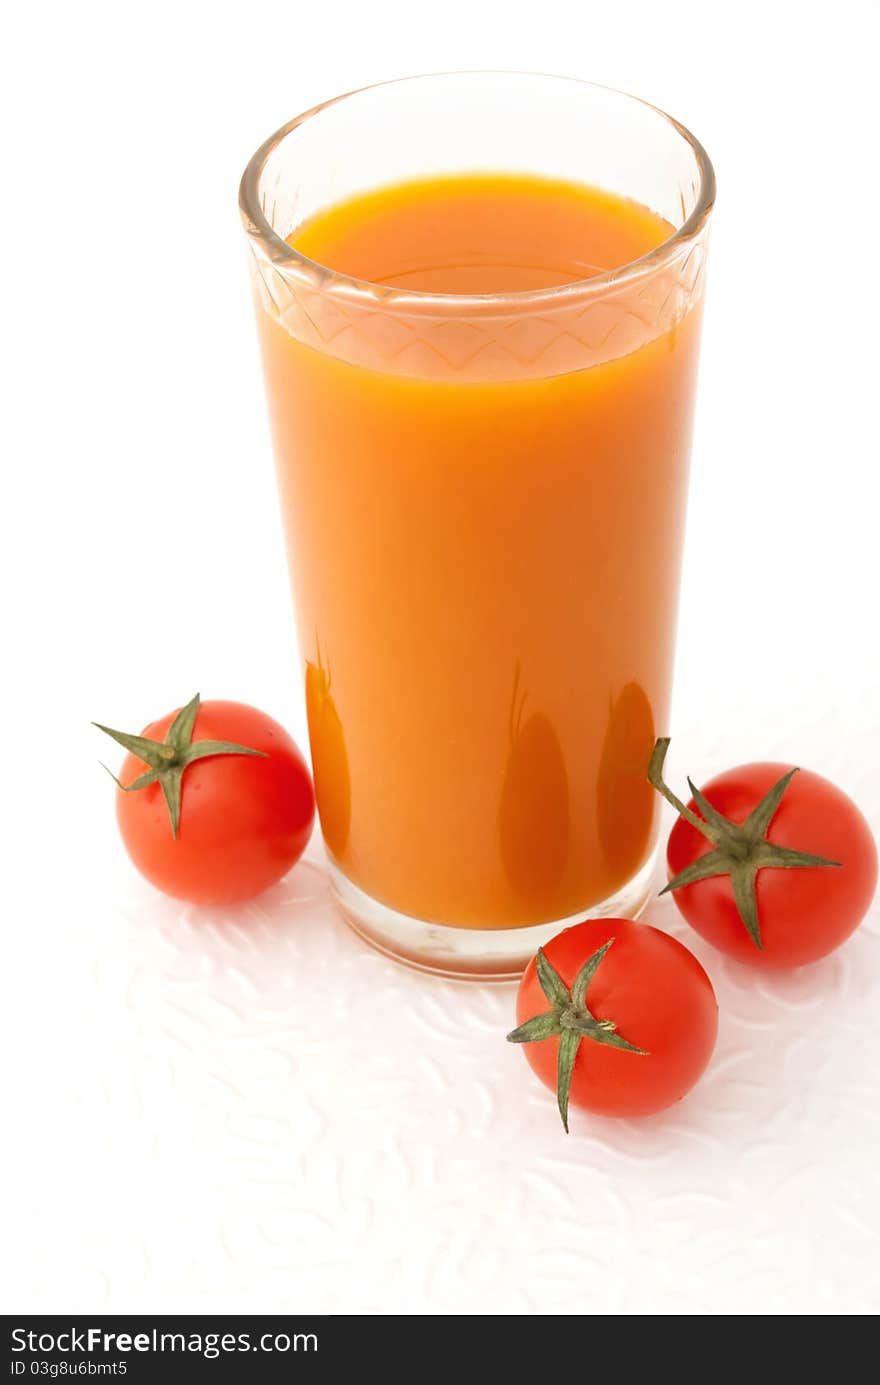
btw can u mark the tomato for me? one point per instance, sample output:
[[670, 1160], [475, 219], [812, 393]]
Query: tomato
[[801, 914], [638, 1037], [226, 804]]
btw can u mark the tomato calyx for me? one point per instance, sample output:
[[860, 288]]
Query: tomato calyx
[[571, 1019], [739, 850], [168, 760]]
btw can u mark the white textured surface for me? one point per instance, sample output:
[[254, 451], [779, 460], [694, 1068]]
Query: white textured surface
[[251, 1111]]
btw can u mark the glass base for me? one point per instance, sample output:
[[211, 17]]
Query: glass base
[[475, 954]]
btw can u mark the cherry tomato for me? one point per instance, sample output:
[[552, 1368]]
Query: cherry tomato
[[802, 913], [643, 1030], [245, 811]]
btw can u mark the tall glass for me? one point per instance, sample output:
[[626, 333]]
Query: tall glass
[[483, 498]]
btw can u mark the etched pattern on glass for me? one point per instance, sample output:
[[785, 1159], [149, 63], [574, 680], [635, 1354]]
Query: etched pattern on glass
[[515, 338]]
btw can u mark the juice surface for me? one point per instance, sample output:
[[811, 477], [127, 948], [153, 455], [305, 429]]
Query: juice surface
[[483, 234], [485, 571]]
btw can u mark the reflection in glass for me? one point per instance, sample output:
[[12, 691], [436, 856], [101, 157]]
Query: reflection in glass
[[625, 798], [534, 812], [329, 757]]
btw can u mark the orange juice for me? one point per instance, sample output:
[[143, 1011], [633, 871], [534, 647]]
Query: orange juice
[[485, 561]]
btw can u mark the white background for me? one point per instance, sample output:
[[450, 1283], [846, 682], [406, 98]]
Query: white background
[[249, 1110]]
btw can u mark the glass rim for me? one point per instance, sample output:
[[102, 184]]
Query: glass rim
[[284, 257]]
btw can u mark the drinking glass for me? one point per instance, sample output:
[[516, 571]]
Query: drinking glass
[[483, 498]]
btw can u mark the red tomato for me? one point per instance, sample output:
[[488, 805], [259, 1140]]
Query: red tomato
[[803, 913], [244, 818], [648, 992]]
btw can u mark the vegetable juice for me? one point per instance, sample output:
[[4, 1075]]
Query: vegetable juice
[[485, 563]]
